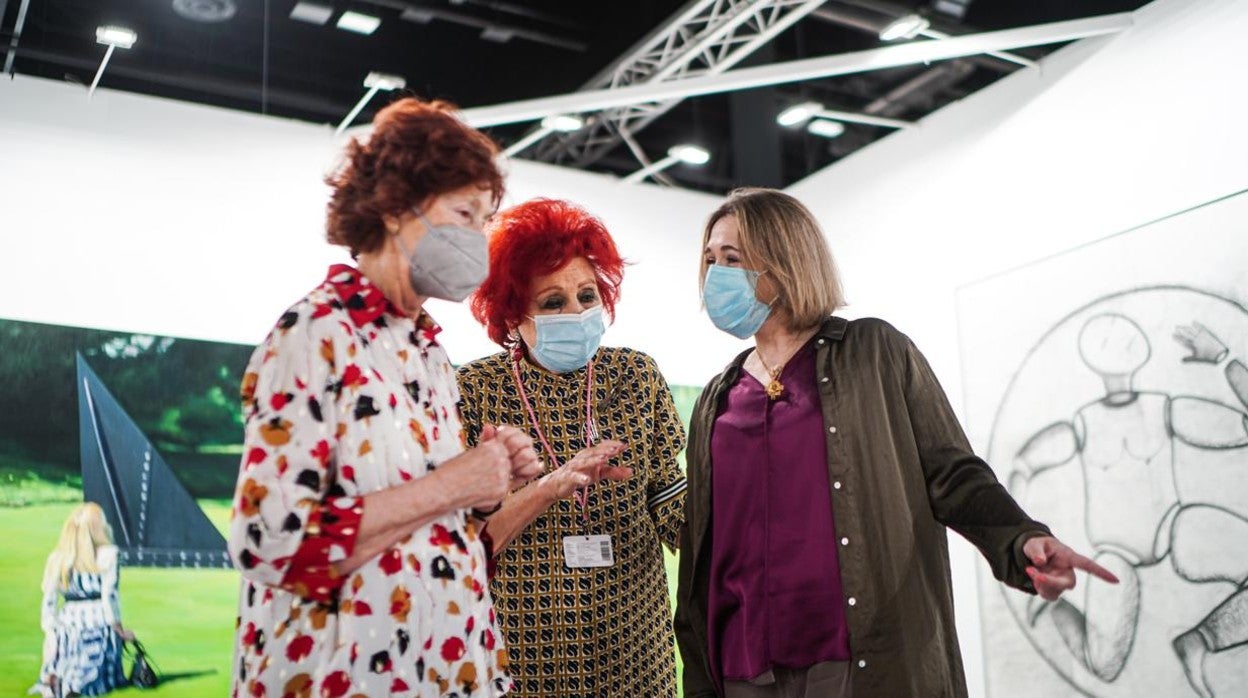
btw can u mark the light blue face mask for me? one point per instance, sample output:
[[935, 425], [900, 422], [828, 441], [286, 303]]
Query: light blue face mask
[[728, 294], [567, 341]]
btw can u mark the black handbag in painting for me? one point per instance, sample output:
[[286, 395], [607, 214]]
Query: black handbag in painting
[[142, 672]]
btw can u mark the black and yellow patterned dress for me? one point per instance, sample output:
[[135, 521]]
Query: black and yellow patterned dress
[[603, 631]]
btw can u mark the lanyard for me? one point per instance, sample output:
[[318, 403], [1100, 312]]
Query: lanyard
[[591, 433]]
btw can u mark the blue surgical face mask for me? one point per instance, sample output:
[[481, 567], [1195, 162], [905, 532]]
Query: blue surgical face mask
[[567, 341], [728, 294], [449, 262]]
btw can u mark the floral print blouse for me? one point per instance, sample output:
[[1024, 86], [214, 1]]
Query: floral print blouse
[[348, 396]]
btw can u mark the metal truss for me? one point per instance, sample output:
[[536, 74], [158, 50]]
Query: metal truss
[[706, 38]]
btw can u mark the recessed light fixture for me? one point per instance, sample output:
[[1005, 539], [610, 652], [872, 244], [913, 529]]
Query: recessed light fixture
[[904, 27], [826, 128], [311, 12], [358, 23]]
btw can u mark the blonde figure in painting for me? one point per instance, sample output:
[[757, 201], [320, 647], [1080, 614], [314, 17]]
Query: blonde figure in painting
[[81, 617]]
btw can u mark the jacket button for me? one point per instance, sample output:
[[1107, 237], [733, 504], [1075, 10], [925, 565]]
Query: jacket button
[[831, 430], [821, 341], [844, 541], [852, 601], [823, 380], [862, 664], [836, 485]]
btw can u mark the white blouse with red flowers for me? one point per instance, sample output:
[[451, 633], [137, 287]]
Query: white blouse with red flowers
[[345, 397]]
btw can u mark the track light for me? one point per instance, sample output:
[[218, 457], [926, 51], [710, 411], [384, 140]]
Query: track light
[[904, 27], [825, 128], [563, 122], [686, 153], [114, 38], [799, 114], [375, 82]]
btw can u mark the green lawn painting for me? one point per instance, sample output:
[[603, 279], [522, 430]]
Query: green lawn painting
[[182, 395]]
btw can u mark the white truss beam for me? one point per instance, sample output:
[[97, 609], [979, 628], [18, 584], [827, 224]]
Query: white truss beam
[[708, 38], [796, 71]]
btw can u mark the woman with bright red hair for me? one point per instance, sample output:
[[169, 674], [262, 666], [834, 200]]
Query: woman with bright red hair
[[580, 582], [363, 565]]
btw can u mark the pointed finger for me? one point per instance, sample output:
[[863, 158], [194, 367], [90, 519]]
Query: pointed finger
[[1092, 568]]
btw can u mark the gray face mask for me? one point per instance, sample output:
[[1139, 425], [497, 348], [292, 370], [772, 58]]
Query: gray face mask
[[449, 262]]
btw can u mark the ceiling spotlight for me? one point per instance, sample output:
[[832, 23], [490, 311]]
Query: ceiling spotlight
[[358, 23], [689, 154], [114, 38], [826, 128], [686, 153], [904, 27], [375, 82], [118, 37], [210, 11], [797, 114], [563, 122], [311, 12]]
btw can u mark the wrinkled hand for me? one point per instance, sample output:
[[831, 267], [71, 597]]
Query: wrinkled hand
[[1054, 564], [525, 465], [1204, 345], [586, 468], [480, 477]]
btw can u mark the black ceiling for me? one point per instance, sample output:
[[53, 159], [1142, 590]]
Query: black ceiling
[[259, 59]]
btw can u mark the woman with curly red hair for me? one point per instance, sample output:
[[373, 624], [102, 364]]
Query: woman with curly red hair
[[580, 586], [363, 565]]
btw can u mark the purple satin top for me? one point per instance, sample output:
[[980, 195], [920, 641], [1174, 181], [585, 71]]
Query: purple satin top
[[775, 580]]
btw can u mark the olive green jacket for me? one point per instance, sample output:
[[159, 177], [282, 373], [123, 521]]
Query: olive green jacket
[[900, 470]]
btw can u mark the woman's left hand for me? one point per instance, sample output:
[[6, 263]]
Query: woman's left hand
[[125, 633], [1054, 564]]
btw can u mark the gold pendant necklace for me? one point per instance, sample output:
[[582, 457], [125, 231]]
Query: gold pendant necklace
[[774, 387]]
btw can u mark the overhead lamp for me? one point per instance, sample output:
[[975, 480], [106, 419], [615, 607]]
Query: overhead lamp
[[686, 153], [799, 114], [114, 38], [564, 123], [311, 12], [825, 128], [358, 22], [904, 27], [375, 82]]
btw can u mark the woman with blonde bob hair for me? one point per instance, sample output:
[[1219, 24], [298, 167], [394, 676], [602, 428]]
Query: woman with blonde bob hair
[[83, 637], [824, 465]]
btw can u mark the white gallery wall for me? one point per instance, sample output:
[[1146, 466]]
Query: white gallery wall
[[1105, 135], [134, 213], [140, 214]]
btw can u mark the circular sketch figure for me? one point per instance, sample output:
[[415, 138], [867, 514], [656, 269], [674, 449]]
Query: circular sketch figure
[[1139, 400]]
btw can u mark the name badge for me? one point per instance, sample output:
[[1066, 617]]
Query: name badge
[[588, 551]]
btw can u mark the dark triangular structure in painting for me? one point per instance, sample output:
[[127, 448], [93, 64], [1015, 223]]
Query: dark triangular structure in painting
[[156, 522]]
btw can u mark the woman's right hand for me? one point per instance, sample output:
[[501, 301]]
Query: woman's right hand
[[588, 467], [480, 477]]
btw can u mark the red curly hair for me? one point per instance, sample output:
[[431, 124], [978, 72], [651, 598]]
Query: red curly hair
[[537, 238], [417, 150]]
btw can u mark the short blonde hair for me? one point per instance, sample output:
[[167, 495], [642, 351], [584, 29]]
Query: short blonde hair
[[779, 237]]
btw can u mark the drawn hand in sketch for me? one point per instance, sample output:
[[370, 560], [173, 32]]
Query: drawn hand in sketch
[[1124, 442], [1205, 347]]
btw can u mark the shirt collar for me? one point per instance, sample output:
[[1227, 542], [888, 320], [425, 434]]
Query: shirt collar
[[364, 302]]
